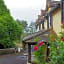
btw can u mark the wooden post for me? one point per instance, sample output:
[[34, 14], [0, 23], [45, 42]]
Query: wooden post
[[47, 21], [29, 53], [47, 54], [29, 49]]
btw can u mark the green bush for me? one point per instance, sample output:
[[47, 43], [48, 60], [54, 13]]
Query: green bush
[[10, 30], [57, 49], [40, 53]]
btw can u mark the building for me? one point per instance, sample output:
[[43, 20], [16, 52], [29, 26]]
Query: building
[[51, 19], [47, 24]]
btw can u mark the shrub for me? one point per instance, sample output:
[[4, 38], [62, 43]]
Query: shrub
[[40, 53], [57, 49]]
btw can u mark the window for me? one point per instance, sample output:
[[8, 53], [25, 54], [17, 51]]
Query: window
[[36, 26], [50, 21], [40, 27], [43, 25]]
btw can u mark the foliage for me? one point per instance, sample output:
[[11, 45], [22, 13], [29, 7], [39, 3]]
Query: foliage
[[27, 29], [23, 23], [36, 39], [32, 28], [40, 53], [3, 8], [57, 50], [10, 30]]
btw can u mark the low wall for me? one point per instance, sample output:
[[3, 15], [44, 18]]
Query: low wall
[[9, 51]]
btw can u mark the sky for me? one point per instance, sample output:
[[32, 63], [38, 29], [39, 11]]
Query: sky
[[25, 9]]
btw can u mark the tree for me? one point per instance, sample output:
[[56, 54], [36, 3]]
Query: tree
[[10, 30], [23, 23], [32, 27], [27, 29]]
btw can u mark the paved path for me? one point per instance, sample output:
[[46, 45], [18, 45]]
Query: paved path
[[13, 59]]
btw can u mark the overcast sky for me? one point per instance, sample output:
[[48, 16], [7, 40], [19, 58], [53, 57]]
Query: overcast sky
[[25, 9]]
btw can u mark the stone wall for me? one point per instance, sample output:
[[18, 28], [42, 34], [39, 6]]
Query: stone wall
[[10, 51]]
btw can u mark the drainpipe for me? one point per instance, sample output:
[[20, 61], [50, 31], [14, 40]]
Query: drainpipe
[[62, 11]]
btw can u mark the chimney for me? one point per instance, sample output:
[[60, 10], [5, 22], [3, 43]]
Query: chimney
[[39, 17], [48, 4], [43, 12]]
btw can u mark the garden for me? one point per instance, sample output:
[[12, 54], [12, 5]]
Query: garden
[[56, 55]]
